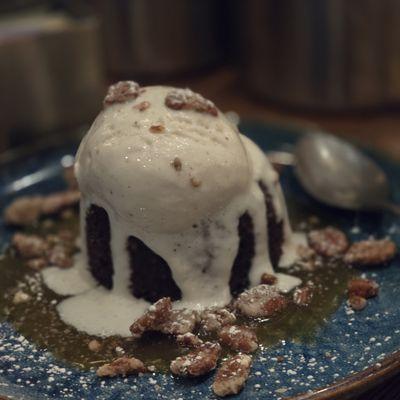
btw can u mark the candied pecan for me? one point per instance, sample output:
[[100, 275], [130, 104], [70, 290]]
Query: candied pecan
[[268, 279], [195, 182], [56, 202], [61, 256], [365, 288], [121, 92], [121, 366], [198, 362], [213, 318], [239, 338], [67, 236], [303, 296], [260, 301], [357, 303], [21, 297], [143, 105], [70, 178], [328, 242], [24, 210], [185, 99], [178, 322], [94, 345], [157, 314], [157, 129], [37, 264], [231, 376], [370, 252], [29, 246], [177, 164], [189, 340], [306, 253]]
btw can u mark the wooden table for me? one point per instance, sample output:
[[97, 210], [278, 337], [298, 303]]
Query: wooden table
[[379, 129]]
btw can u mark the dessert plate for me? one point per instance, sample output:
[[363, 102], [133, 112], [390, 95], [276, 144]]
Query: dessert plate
[[347, 354]]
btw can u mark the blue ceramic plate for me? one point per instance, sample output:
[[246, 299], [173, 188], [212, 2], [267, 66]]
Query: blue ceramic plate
[[348, 353]]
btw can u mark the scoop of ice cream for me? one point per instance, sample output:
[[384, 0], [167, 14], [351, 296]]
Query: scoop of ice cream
[[161, 158]]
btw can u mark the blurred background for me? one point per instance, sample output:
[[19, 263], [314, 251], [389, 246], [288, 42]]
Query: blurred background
[[331, 64]]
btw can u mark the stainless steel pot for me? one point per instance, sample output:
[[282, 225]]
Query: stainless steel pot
[[158, 37], [333, 54]]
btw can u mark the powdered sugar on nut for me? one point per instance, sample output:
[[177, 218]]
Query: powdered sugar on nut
[[260, 301], [198, 362], [370, 252], [121, 92], [185, 99], [232, 375]]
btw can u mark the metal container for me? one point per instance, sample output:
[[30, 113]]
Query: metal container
[[158, 37], [333, 54]]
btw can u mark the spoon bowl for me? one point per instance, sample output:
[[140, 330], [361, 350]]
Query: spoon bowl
[[338, 174]]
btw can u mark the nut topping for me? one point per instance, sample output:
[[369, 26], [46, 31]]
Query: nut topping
[[121, 92]]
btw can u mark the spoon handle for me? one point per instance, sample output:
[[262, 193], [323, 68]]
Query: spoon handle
[[394, 208], [281, 157]]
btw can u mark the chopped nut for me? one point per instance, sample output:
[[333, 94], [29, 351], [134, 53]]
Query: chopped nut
[[94, 345], [24, 211], [370, 252], [231, 376], [328, 242], [56, 202], [27, 210], [185, 99], [157, 129], [121, 92], [122, 366], [260, 301], [70, 178], [357, 303], [37, 264], [214, 318], [157, 314], [305, 252], [143, 105], [280, 359], [268, 279], [21, 297], [67, 214], [239, 338], [303, 296], [60, 255], [201, 360], [178, 322], [29, 246], [189, 340], [195, 182], [177, 164], [365, 288]]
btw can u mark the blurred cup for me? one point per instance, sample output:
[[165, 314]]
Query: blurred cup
[[51, 73], [329, 54], [158, 37]]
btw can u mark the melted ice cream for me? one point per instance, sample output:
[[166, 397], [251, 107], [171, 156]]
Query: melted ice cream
[[124, 168]]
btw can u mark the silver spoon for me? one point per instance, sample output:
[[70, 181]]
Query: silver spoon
[[338, 174]]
